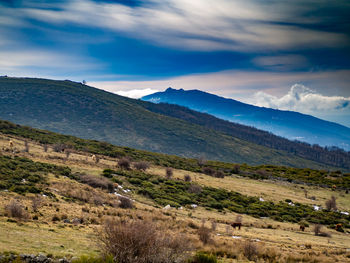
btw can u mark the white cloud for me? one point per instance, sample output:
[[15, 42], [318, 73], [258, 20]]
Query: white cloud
[[303, 99], [200, 24], [136, 93]]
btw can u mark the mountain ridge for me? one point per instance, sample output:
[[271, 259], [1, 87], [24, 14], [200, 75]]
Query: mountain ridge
[[288, 124], [76, 109]]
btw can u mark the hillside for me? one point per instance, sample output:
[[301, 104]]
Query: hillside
[[57, 204], [288, 124], [76, 109]]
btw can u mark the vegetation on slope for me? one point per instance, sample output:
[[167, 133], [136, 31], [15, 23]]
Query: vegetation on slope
[[80, 110], [304, 175], [333, 157]]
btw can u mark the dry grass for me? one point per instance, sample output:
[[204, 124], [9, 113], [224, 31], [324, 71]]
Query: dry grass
[[282, 241]]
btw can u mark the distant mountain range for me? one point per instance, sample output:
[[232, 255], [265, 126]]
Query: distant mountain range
[[75, 109], [288, 124]]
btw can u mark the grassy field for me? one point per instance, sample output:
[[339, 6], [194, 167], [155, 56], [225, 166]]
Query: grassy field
[[66, 239]]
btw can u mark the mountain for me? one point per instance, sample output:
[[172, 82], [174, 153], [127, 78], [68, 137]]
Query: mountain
[[75, 109], [288, 124]]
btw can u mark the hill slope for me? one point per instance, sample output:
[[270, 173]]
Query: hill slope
[[291, 125], [80, 110]]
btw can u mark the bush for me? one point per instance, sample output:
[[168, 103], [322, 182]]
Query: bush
[[204, 234], [317, 229], [250, 250], [96, 181], [125, 202], [187, 178], [142, 242], [16, 210], [331, 204], [195, 189], [143, 166], [202, 257], [124, 163], [168, 172]]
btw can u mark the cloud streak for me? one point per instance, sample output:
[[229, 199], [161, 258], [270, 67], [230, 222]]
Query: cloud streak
[[201, 25]]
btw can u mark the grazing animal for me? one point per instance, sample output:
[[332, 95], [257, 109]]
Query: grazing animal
[[338, 227], [302, 228], [93, 157], [234, 225]]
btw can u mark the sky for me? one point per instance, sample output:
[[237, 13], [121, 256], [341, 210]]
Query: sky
[[289, 55]]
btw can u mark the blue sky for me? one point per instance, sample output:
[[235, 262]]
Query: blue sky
[[292, 55]]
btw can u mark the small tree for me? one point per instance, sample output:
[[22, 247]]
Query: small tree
[[45, 147], [317, 229], [250, 250], [36, 203]]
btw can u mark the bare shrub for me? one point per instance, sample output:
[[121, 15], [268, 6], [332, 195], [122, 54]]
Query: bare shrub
[[219, 174], [15, 209], [97, 182], [187, 178], [125, 202], [201, 161], [36, 203], [195, 189], [45, 148], [317, 229], [59, 147], [143, 166], [213, 225], [250, 250], [26, 146], [168, 172], [208, 171], [236, 169], [228, 230], [331, 204], [124, 163], [142, 242], [204, 234], [67, 152]]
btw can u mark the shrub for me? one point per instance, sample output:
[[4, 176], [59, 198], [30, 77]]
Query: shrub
[[194, 189], [26, 146], [187, 178], [36, 203], [59, 147], [97, 182], [250, 250], [317, 229], [15, 209], [204, 234], [168, 172], [202, 257], [124, 163], [55, 218], [331, 204], [142, 242], [143, 166], [125, 202], [208, 171], [45, 147]]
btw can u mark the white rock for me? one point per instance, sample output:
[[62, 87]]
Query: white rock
[[236, 237], [261, 199], [167, 207], [345, 213], [194, 206]]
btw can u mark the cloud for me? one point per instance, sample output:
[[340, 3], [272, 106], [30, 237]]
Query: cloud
[[136, 93], [202, 25], [281, 63], [305, 100]]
